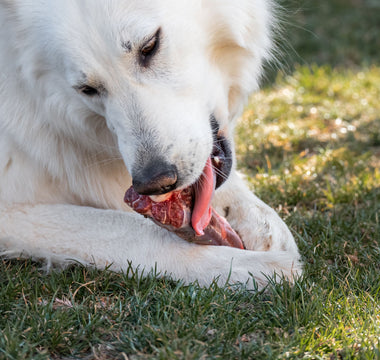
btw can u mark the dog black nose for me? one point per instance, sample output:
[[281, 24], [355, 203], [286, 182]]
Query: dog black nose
[[156, 178]]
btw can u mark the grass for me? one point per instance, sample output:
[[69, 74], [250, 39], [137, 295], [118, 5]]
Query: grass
[[342, 33], [309, 145]]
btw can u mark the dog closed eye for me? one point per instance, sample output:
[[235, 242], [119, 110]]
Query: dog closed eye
[[91, 90], [88, 90], [149, 49]]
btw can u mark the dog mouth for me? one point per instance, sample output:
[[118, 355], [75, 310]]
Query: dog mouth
[[215, 173], [221, 159], [188, 211]]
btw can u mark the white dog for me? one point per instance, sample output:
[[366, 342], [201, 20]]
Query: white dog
[[96, 94]]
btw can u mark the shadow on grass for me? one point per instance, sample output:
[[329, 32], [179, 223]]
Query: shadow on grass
[[341, 33]]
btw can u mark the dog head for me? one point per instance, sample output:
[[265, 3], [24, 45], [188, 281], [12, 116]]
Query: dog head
[[166, 76]]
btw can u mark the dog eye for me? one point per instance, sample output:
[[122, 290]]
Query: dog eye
[[88, 90], [149, 48]]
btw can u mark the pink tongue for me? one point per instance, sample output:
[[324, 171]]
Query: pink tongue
[[204, 191]]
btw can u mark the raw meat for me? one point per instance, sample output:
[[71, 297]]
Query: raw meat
[[175, 212]]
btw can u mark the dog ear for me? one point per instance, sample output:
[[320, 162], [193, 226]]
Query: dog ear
[[246, 23], [240, 42]]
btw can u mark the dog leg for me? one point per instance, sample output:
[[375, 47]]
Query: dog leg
[[259, 225], [60, 233]]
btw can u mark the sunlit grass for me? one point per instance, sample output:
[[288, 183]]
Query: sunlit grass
[[313, 148]]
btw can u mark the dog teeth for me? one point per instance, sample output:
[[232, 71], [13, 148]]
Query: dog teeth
[[160, 198], [217, 160]]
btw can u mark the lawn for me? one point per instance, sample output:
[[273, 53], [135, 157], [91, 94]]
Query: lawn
[[309, 145]]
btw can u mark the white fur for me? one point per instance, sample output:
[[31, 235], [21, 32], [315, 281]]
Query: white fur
[[66, 159]]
